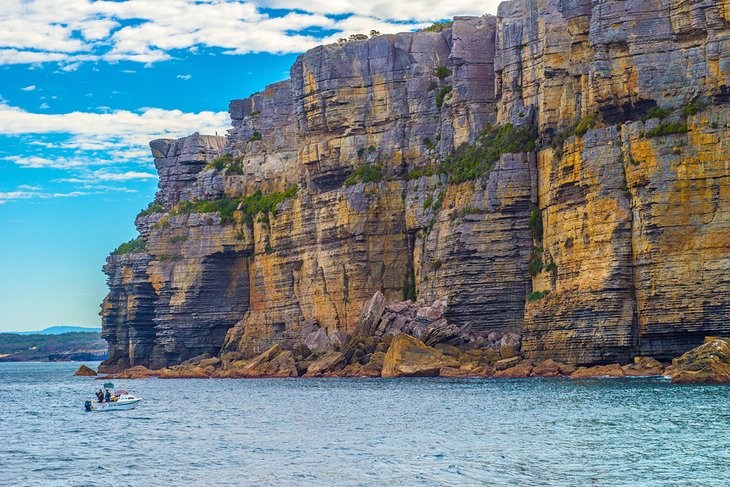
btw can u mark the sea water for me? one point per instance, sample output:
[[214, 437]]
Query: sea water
[[362, 432]]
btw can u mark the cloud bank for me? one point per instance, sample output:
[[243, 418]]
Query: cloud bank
[[148, 31]]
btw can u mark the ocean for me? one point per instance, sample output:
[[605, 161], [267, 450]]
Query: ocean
[[362, 432]]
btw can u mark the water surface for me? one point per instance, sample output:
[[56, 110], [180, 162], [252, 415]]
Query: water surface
[[365, 432]]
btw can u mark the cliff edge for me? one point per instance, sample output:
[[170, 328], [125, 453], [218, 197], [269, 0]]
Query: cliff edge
[[556, 173]]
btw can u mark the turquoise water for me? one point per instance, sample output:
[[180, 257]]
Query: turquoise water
[[339, 432]]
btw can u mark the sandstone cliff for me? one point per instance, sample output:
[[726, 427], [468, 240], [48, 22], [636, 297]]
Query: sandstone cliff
[[559, 171]]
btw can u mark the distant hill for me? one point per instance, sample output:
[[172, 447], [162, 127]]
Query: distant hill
[[44, 347], [58, 330]]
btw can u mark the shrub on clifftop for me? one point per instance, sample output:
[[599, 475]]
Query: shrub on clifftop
[[132, 247]]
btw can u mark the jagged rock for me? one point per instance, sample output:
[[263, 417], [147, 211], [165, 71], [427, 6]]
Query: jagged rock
[[338, 338], [397, 307], [443, 332], [707, 364], [611, 371], [85, 371], [432, 313], [370, 316], [408, 356], [329, 362], [317, 340]]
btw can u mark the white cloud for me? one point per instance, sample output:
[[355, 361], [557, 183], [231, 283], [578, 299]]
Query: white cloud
[[109, 140], [37, 162], [21, 194], [103, 130], [184, 76], [44, 106], [147, 31], [28, 88], [125, 176]]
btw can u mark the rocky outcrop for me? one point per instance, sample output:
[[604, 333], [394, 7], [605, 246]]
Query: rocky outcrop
[[409, 357], [549, 185], [85, 371], [707, 364]]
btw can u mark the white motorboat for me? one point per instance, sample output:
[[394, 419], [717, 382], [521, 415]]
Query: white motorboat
[[124, 401], [118, 401]]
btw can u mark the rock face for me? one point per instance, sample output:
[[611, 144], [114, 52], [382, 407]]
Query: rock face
[[378, 168]]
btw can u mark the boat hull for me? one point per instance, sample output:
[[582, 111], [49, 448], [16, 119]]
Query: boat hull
[[112, 406]]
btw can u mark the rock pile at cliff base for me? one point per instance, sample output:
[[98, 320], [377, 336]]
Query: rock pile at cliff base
[[407, 339]]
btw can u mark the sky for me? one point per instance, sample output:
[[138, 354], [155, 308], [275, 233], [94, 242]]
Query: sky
[[85, 85]]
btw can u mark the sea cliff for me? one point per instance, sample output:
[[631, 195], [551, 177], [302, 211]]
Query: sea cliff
[[549, 184]]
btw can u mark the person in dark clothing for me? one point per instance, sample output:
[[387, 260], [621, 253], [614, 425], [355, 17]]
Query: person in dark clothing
[[107, 396], [100, 395]]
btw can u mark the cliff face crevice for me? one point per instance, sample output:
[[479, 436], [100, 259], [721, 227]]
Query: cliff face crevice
[[379, 166]]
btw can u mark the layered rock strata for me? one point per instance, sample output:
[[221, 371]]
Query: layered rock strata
[[370, 170]]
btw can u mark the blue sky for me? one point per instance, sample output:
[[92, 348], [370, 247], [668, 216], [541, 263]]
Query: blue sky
[[84, 86]]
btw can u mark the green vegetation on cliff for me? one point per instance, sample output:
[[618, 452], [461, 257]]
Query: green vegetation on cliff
[[366, 173], [153, 207], [438, 27], [250, 206], [470, 162], [537, 295], [135, 246]]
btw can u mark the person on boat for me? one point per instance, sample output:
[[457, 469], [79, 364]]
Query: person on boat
[[100, 396], [107, 396]]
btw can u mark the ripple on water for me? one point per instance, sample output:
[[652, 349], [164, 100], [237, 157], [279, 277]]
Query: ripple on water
[[418, 432]]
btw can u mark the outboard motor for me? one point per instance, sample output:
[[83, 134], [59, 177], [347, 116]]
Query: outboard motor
[[87, 405]]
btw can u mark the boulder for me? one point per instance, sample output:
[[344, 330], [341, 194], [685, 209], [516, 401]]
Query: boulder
[[430, 313], [643, 367], [283, 365], [317, 340], [612, 371], [370, 316], [85, 371], [707, 364], [519, 371], [397, 307], [551, 368], [442, 331], [329, 362], [509, 345], [506, 363], [408, 356], [274, 362]]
